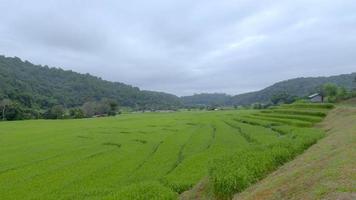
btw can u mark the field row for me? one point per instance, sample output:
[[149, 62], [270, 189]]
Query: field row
[[153, 155]]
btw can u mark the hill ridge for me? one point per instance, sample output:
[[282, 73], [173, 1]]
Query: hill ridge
[[301, 86], [37, 86]]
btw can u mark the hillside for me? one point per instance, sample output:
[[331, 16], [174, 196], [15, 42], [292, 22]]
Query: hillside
[[206, 99], [40, 87], [325, 171], [295, 87], [299, 87]]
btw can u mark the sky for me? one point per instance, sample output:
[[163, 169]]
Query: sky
[[183, 46]]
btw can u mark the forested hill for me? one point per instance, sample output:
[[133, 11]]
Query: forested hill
[[295, 87], [41, 87], [299, 87], [206, 99]]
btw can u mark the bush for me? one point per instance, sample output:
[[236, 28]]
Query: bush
[[76, 113], [56, 112]]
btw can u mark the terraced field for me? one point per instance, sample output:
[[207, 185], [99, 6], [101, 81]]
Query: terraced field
[[152, 155]]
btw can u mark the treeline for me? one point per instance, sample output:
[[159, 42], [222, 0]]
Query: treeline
[[35, 90], [334, 93], [11, 110]]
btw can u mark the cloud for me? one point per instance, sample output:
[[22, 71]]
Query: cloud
[[184, 47]]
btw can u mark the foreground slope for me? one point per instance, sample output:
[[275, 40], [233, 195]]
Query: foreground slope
[[325, 171]]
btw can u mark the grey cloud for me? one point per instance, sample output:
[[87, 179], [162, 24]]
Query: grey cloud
[[184, 47]]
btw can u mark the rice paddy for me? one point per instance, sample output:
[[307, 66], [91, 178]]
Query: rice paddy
[[151, 155]]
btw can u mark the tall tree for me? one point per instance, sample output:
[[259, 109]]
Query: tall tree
[[4, 104], [56, 112], [330, 89], [89, 108]]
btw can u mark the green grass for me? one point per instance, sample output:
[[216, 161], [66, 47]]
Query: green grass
[[325, 171], [148, 156], [318, 113]]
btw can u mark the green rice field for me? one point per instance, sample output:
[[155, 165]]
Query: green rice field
[[152, 155]]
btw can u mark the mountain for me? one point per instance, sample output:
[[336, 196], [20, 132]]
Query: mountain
[[295, 87], [206, 99], [37, 87], [40, 87]]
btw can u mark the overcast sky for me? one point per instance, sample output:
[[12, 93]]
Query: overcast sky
[[184, 46]]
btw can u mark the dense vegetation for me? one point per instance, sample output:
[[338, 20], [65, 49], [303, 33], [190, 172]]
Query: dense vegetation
[[206, 99], [30, 91], [295, 87], [34, 89], [151, 155], [288, 90]]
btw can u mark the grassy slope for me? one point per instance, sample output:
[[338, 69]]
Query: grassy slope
[[325, 171]]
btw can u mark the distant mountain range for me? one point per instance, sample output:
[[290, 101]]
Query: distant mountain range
[[296, 87], [40, 87]]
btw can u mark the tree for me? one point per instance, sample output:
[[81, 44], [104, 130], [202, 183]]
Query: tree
[[282, 97], [76, 113], [330, 90], [256, 106], [56, 112], [89, 109], [114, 107], [102, 107], [4, 104], [341, 93]]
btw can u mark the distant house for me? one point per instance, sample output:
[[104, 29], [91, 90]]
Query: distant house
[[316, 98]]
